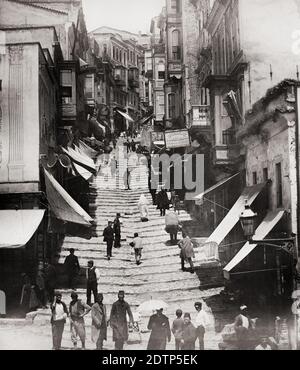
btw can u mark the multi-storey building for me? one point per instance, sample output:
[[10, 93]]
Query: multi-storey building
[[125, 51], [174, 117], [33, 71], [242, 67]]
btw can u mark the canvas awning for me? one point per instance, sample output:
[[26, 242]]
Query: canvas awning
[[83, 172], [268, 224], [146, 119], [215, 187], [126, 116], [232, 218], [87, 150], [18, 227], [82, 63], [63, 206], [80, 159]]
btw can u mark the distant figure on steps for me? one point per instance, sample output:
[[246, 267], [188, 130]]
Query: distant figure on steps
[[108, 238], [162, 201], [172, 225], [137, 244], [186, 252], [92, 277], [143, 208], [117, 231]]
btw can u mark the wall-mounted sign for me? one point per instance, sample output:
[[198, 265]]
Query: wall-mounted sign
[[177, 139], [157, 137]]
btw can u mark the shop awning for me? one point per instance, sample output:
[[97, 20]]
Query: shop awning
[[87, 149], [126, 116], [80, 159], [83, 172], [215, 187], [63, 206], [18, 227], [232, 218], [146, 119], [268, 224]]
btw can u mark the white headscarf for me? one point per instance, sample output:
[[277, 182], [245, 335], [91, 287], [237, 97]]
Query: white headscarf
[[143, 200]]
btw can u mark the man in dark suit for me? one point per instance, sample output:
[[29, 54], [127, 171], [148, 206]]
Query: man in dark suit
[[72, 268], [108, 235], [160, 331], [117, 231]]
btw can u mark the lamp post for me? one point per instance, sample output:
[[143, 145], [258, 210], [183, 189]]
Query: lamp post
[[288, 245], [247, 219]]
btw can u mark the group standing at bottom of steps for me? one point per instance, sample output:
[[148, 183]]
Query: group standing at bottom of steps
[[121, 320]]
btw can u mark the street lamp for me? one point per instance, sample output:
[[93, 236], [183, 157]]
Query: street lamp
[[247, 219]]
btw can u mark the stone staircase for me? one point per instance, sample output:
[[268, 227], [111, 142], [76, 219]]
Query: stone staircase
[[159, 276]]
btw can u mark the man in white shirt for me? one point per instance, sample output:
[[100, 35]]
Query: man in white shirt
[[59, 314], [201, 324]]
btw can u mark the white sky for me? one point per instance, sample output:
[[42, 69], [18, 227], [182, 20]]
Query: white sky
[[129, 15]]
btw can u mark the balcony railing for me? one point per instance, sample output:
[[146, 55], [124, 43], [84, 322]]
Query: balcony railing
[[200, 115]]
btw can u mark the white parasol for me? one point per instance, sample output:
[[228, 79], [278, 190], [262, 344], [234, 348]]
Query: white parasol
[[151, 305]]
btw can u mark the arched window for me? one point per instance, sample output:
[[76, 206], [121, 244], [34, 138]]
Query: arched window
[[176, 50], [171, 105], [161, 70]]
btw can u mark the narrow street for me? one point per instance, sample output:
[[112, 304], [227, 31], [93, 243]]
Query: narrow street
[[211, 206], [158, 277]]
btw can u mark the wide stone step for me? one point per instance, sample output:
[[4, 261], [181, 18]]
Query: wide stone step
[[172, 298], [115, 268]]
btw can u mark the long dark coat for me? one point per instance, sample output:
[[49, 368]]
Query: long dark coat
[[162, 200], [160, 332], [118, 320], [189, 336]]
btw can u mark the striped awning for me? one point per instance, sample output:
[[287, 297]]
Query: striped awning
[[79, 158], [126, 116], [233, 216], [268, 224]]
